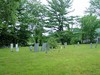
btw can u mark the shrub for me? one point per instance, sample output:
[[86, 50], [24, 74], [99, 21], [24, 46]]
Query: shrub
[[52, 42]]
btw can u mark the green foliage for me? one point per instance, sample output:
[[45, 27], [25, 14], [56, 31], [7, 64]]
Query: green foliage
[[52, 42], [58, 18], [36, 12], [63, 36], [74, 40], [94, 7], [89, 24], [76, 36], [21, 18], [57, 12], [8, 18], [98, 31]]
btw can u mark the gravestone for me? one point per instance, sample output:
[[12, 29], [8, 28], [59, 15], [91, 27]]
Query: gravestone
[[61, 47], [36, 47], [78, 43], [30, 48], [65, 44], [90, 45], [96, 43], [17, 49], [47, 46], [44, 47], [11, 47]]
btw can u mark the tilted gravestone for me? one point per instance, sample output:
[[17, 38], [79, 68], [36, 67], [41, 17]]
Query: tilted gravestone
[[11, 47], [36, 47], [17, 49], [30, 48], [44, 47]]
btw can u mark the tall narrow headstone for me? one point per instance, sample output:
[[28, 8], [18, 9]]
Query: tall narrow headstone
[[78, 43], [11, 47], [36, 47], [65, 44], [96, 43], [30, 48], [44, 47], [17, 49], [47, 48], [90, 45]]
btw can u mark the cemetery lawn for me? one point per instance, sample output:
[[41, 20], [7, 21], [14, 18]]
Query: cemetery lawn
[[79, 60]]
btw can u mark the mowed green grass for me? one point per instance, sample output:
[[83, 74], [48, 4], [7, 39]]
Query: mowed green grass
[[79, 60]]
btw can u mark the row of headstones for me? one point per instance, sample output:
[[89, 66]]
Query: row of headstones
[[65, 44], [12, 47], [44, 47], [95, 45]]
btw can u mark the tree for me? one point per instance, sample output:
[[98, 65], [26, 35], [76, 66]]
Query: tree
[[52, 42], [8, 18], [36, 12], [94, 7], [63, 36], [57, 17], [89, 24], [57, 13], [23, 31], [76, 36]]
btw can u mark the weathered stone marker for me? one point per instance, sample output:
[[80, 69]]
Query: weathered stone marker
[[17, 49], [96, 44], [11, 47], [30, 48], [44, 47], [36, 47], [90, 45], [65, 44], [48, 47], [78, 43]]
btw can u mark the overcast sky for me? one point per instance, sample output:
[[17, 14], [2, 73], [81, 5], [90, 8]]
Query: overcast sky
[[79, 6]]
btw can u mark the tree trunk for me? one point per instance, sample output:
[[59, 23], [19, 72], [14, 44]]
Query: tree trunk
[[60, 28], [36, 40]]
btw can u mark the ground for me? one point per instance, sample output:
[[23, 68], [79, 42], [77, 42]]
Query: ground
[[78, 60]]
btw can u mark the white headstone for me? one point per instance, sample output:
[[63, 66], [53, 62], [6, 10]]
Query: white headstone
[[17, 49], [11, 47]]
